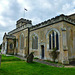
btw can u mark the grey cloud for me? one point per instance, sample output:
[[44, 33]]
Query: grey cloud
[[40, 10], [14, 10]]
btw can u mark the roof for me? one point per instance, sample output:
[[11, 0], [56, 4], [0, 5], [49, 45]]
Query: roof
[[9, 36]]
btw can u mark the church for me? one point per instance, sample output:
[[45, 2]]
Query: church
[[57, 32]]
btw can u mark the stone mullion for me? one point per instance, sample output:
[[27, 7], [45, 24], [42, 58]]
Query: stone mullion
[[51, 41], [55, 38]]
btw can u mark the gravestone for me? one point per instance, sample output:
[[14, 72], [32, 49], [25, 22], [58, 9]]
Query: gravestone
[[30, 57], [0, 60]]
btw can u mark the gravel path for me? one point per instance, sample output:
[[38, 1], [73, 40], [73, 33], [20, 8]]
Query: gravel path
[[42, 61]]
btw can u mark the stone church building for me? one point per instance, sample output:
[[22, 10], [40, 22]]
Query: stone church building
[[58, 32]]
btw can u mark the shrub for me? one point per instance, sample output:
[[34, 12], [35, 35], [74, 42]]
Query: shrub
[[54, 54]]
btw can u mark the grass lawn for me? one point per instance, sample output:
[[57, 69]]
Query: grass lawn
[[14, 66]]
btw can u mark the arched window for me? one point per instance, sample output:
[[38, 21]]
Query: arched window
[[34, 42], [22, 41], [53, 40], [50, 41], [17, 43], [11, 46]]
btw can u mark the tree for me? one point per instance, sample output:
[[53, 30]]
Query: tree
[[54, 54]]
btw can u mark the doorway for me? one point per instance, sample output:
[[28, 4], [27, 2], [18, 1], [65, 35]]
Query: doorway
[[42, 51]]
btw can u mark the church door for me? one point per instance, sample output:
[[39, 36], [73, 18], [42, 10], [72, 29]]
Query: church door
[[42, 51]]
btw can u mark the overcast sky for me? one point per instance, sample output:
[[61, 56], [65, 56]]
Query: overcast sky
[[38, 11]]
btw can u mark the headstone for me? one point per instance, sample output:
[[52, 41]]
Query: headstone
[[30, 57], [0, 60]]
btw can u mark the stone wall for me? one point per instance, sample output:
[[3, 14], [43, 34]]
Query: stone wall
[[23, 51], [63, 25], [42, 34], [9, 50], [70, 34], [4, 45]]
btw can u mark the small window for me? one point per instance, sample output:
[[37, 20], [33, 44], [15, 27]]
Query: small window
[[17, 44], [11, 46], [34, 42], [21, 41]]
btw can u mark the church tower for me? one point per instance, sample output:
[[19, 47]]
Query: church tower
[[23, 22]]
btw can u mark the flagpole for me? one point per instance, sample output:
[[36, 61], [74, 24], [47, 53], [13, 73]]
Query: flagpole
[[24, 11]]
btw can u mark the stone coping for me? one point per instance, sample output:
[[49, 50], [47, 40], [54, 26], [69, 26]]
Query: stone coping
[[17, 29], [54, 20], [24, 21], [51, 21], [10, 37]]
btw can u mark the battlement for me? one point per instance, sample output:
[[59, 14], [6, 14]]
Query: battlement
[[72, 16], [8, 36], [22, 22], [51, 21]]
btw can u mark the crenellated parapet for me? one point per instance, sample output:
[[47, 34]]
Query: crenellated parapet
[[20, 25], [53, 21], [23, 22], [72, 16], [10, 37], [18, 29]]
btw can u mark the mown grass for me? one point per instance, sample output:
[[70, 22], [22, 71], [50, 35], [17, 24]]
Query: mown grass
[[10, 58], [19, 67]]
